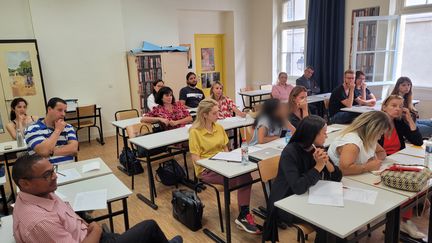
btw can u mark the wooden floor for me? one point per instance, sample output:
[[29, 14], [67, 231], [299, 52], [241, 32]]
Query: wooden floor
[[139, 211]]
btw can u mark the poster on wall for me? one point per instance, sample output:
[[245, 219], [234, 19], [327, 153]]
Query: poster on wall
[[189, 54], [207, 59], [20, 73]]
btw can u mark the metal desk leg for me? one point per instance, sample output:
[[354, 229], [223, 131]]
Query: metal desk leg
[[101, 139], [392, 226], [430, 227], [9, 178], [244, 103], [125, 145], [111, 222], [125, 213], [4, 200], [227, 210], [152, 188], [236, 141]]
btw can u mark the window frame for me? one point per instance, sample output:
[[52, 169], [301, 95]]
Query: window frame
[[403, 9]]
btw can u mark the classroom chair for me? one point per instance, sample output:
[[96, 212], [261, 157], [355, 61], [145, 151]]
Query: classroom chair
[[268, 170], [86, 118], [122, 115], [266, 87], [218, 189]]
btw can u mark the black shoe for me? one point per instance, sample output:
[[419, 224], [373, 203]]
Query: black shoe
[[176, 239], [248, 224]]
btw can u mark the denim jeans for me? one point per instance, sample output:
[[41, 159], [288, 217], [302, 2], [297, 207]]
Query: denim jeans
[[343, 117], [425, 127]]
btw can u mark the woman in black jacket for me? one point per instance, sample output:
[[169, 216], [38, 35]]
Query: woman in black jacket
[[404, 127], [302, 164]]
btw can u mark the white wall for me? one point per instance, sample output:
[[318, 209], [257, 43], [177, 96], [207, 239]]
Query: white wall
[[15, 20]]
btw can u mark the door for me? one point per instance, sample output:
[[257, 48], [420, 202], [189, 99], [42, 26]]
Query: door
[[20, 77], [209, 49]]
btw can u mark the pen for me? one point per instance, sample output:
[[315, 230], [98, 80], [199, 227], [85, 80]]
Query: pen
[[61, 174]]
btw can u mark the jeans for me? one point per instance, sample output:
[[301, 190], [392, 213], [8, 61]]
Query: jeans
[[343, 117], [147, 231], [425, 127]]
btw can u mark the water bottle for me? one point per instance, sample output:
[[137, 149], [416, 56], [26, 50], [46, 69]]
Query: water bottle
[[244, 152], [20, 138], [428, 153], [288, 136]]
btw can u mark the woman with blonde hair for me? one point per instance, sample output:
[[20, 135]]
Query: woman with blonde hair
[[297, 105], [226, 105], [357, 150], [206, 139]]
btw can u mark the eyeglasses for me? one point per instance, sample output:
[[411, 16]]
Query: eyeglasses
[[47, 175]]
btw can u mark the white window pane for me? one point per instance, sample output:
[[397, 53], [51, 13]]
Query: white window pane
[[299, 40], [287, 40], [300, 10], [414, 2], [288, 11], [292, 57], [283, 62], [364, 62], [293, 10], [385, 36], [297, 64], [384, 66]]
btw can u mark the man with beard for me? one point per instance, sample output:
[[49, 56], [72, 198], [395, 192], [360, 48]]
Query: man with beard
[[191, 95]]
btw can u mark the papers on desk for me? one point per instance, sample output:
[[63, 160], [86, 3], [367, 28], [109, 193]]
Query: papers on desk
[[228, 156], [417, 151], [67, 175], [360, 195], [406, 159], [91, 200], [331, 129], [327, 193], [235, 119], [91, 166]]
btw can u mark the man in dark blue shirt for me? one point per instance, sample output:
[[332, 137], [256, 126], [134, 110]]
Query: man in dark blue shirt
[[307, 81], [191, 95], [341, 97]]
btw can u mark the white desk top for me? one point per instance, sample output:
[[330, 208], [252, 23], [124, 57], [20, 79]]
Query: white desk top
[[318, 98], [3, 180], [14, 145], [227, 169], [116, 188], [122, 124], [255, 92], [350, 218], [6, 230], [157, 140], [412, 150], [104, 170], [362, 109]]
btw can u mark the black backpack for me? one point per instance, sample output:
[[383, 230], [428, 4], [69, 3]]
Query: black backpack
[[133, 165], [170, 173]]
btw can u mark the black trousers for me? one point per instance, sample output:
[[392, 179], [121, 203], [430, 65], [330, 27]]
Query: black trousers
[[147, 231]]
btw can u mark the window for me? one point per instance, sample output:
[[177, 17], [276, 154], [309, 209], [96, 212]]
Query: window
[[292, 37], [409, 3]]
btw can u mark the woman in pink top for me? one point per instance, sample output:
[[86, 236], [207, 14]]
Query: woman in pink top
[[282, 89]]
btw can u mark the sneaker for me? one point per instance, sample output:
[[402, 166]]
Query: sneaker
[[248, 224], [176, 239], [411, 229]]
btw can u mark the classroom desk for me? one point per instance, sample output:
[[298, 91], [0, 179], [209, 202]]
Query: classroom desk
[[252, 94], [116, 191], [6, 153], [104, 170], [3, 195], [71, 115], [355, 215], [6, 230], [158, 140], [318, 98], [229, 171], [364, 109]]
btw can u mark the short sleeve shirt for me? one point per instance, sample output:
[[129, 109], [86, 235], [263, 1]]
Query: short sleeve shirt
[[37, 132], [350, 138], [206, 144], [358, 92], [226, 106], [191, 96], [179, 112], [335, 104], [272, 130]]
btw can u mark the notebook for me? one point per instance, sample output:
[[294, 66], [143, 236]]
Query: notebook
[[264, 154]]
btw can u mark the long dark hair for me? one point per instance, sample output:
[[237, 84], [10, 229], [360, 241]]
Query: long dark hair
[[407, 97], [14, 103], [154, 85], [307, 130], [268, 111], [164, 91]]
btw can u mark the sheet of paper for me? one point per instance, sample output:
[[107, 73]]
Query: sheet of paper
[[61, 196], [67, 175], [417, 151], [91, 166], [406, 159], [229, 156], [91, 200], [360, 195], [235, 119], [328, 193], [331, 129]]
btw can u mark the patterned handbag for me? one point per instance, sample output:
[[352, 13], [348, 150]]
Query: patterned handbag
[[405, 177]]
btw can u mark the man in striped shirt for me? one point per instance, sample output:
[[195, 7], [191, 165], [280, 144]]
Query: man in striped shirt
[[51, 136], [41, 216]]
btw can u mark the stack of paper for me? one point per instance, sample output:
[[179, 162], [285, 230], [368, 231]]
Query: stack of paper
[[406, 159], [228, 156], [91, 200], [416, 151], [67, 175], [91, 166], [328, 193], [360, 195]]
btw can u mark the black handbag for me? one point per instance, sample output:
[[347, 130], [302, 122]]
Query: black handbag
[[131, 164], [170, 173], [188, 208]]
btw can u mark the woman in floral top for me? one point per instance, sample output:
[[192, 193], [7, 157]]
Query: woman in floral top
[[226, 105], [169, 112]]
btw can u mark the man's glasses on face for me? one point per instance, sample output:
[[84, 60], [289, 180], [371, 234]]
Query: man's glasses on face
[[48, 175]]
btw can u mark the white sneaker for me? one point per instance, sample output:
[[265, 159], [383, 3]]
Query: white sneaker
[[411, 229]]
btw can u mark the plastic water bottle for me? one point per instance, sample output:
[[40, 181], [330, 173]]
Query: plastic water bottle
[[428, 153], [288, 136], [20, 138], [244, 152]]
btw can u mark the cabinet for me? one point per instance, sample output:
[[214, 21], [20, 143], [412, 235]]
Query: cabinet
[[145, 68]]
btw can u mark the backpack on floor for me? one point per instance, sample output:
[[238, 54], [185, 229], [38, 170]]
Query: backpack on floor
[[131, 164], [188, 208], [170, 173]]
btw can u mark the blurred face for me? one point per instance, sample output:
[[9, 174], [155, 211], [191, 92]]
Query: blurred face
[[394, 108], [301, 97], [360, 80], [192, 80], [58, 112], [217, 90], [282, 111], [349, 79], [308, 73], [20, 108], [404, 88], [212, 116], [321, 137], [167, 98], [158, 86], [43, 179], [283, 78]]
